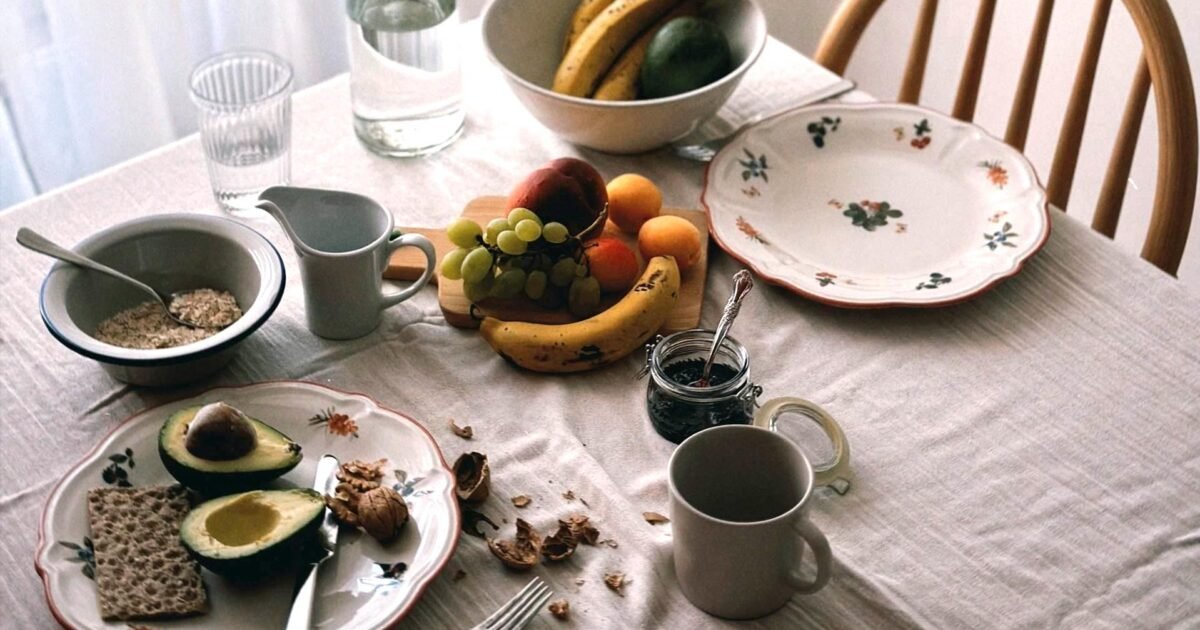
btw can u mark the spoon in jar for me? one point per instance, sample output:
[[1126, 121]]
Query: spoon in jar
[[42, 245], [742, 283]]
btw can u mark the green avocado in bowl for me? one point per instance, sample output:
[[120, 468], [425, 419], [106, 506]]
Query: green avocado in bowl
[[686, 54], [215, 450]]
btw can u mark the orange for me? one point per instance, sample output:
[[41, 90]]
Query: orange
[[633, 200]]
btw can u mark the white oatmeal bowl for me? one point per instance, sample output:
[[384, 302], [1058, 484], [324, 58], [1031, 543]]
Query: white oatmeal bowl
[[170, 252]]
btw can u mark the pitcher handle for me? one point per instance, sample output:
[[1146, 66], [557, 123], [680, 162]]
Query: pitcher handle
[[824, 557], [836, 473], [426, 247]]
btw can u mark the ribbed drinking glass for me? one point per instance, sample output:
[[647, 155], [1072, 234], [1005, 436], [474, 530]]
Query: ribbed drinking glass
[[244, 101]]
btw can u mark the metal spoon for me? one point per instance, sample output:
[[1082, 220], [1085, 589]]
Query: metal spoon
[[742, 283], [42, 245]]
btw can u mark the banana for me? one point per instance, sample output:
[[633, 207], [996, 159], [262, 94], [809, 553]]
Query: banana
[[621, 81], [599, 44], [596, 341], [584, 14]]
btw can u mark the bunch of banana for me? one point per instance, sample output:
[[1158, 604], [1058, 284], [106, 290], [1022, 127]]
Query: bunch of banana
[[602, 30], [596, 341]]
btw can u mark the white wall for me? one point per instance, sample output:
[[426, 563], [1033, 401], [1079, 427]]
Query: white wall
[[879, 62]]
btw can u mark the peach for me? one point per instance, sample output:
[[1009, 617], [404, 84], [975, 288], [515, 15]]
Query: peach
[[588, 178], [612, 264], [670, 235], [633, 200], [553, 197]]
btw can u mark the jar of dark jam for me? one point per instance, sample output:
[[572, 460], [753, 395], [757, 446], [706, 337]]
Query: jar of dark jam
[[678, 407]]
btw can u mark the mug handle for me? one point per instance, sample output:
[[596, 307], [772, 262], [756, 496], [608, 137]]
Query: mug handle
[[426, 247], [824, 557], [835, 474]]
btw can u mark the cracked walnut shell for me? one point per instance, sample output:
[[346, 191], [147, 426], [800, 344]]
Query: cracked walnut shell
[[520, 553], [472, 477], [382, 512]]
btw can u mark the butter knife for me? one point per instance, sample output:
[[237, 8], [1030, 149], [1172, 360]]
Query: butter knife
[[300, 618]]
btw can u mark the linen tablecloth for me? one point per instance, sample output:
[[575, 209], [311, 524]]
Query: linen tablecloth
[[1028, 459]]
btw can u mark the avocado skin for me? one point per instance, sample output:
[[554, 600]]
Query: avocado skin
[[287, 554], [215, 484], [687, 53]]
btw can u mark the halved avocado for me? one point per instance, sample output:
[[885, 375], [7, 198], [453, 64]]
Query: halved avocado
[[273, 455], [253, 533]]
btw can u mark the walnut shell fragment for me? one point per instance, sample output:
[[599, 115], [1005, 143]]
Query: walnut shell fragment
[[383, 513], [472, 477], [654, 518], [580, 528], [520, 553], [561, 609], [559, 545], [616, 582], [465, 433], [521, 500]]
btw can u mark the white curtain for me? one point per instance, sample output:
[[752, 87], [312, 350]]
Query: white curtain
[[85, 84]]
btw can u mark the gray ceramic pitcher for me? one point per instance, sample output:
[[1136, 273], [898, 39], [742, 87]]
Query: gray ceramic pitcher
[[344, 242]]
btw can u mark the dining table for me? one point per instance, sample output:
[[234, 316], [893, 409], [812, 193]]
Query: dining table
[[1029, 458]]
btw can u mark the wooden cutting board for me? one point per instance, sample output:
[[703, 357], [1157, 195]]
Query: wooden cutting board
[[408, 263]]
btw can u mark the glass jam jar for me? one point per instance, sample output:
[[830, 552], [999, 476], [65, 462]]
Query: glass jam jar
[[677, 407]]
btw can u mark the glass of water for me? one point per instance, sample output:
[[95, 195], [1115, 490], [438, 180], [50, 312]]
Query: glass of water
[[245, 103], [405, 74]]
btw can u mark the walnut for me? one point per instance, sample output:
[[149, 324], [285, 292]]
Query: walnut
[[616, 582], [383, 513], [343, 511], [521, 553], [472, 477], [561, 609], [357, 478]]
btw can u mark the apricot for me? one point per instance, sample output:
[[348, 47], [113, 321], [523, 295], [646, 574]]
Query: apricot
[[612, 264], [633, 200], [588, 178], [670, 235]]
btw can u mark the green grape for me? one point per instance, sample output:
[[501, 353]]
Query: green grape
[[516, 215], [508, 284], [476, 265], [477, 291], [464, 233], [583, 298], [555, 232], [581, 270], [494, 228], [562, 272], [535, 285], [511, 244], [528, 231], [452, 264]]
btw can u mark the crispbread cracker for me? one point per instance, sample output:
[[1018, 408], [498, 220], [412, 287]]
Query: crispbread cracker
[[142, 570]]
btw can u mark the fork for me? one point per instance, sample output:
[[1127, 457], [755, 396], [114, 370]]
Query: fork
[[519, 610]]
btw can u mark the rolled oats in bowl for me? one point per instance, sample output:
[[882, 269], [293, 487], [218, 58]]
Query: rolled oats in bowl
[[147, 327]]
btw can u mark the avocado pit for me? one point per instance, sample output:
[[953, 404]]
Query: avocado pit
[[219, 432]]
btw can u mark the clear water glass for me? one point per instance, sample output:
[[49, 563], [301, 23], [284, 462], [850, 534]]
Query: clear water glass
[[245, 102], [406, 82]]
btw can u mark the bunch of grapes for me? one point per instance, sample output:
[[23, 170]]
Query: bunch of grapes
[[518, 254]]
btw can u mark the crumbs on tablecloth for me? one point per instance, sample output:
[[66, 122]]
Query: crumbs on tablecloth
[[654, 518], [521, 500], [561, 609], [569, 495], [616, 581], [458, 575]]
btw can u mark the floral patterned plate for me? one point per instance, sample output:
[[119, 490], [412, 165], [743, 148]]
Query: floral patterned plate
[[366, 585], [875, 205]]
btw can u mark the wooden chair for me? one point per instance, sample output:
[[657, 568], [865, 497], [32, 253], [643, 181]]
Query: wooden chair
[[1163, 65]]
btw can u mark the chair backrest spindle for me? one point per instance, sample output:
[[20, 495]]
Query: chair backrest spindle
[[1112, 191], [1022, 108], [918, 53], [1066, 155], [972, 71]]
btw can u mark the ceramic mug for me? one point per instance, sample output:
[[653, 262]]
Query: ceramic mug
[[739, 505], [344, 242]]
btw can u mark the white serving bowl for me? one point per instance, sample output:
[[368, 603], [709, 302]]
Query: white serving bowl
[[524, 38], [170, 252]]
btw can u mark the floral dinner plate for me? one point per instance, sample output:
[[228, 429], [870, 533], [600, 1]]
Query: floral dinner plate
[[875, 205], [366, 585]]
